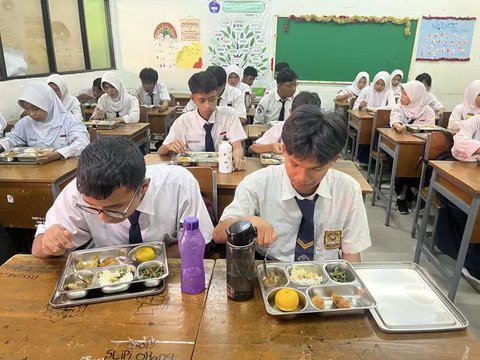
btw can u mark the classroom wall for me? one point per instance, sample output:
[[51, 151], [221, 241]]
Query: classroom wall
[[134, 21]]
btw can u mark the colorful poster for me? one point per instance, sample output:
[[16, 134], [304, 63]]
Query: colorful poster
[[240, 33], [190, 56], [445, 38], [190, 29], [165, 50]]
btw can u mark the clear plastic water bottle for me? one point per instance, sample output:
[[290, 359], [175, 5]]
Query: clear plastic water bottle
[[192, 249]]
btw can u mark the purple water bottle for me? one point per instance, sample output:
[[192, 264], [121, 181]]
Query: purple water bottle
[[192, 249]]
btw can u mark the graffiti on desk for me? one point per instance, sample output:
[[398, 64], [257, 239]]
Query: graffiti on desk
[[148, 305], [19, 276], [56, 315], [20, 269], [133, 355]]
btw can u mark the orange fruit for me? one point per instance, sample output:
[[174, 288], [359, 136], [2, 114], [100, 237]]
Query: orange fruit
[[287, 299]]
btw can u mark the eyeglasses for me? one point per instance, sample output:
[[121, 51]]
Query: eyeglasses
[[111, 213]]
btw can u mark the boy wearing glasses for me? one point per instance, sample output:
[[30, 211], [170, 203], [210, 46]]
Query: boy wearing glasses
[[204, 128], [117, 200], [275, 106]]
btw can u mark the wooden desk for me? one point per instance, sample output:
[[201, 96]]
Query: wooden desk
[[251, 114], [160, 122], [342, 106], [362, 123], [164, 325], [348, 167], [255, 131], [406, 151], [181, 100], [460, 183], [137, 132], [28, 191], [244, 330]]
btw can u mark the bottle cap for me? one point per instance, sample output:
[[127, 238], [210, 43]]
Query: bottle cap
[[241, 233], [190, 223]]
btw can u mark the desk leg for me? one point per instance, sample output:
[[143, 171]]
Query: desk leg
[[392, 185], [376, 183], [423, 226], [357, 141]]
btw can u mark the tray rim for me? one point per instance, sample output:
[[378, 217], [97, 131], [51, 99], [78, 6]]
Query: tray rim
[[461, 322]]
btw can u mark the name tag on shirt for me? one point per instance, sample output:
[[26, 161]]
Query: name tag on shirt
[[194, 141]]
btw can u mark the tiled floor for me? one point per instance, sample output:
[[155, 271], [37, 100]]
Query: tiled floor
[[394, 243]]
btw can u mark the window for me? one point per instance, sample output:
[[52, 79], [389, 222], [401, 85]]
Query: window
[[39, 37]]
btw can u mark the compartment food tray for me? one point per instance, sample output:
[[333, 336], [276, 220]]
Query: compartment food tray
[[197, 158], [22, 155], [271, 159]]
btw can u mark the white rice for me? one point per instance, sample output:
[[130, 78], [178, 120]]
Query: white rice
[[114, 277], [302, 277]]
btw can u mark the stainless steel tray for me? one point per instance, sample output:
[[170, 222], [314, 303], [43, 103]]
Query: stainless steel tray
[[271, 159], [197, 158], [408, 300], [21, 155], [99, 265], [352, 289], [419, 127]]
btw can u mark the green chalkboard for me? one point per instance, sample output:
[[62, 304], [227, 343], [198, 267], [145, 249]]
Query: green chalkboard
[[337, 52]]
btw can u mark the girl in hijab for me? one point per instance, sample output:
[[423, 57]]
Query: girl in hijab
[[377, 95], [360, 82], [116, 104], [3, 125], [47, 125], [412, 109], [234, 74], [468, 108], [59, 86], [397, 77]]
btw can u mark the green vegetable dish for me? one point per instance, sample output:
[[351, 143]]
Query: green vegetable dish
[[151, 272], [338, 274]]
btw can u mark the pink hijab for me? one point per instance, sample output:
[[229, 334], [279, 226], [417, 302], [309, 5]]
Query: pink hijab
[[418, 99], [469, 96]]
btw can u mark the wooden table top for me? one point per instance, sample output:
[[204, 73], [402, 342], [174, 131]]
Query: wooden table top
[[41, 173], [166, 112], [254, 131], [405, 137], [361, 114], [126, 130], [184, 96], [348, 167], [164, 325], [466, 175], [244, 330]]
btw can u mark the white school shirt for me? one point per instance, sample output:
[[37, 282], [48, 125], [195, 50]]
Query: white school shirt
[[231, 97], [130, 113], [160, 92], [467, 140], [339, 211], [434, 103], [269, 107], [272, 135], [72, 138], [459, 113], [3, 124], [188, 128], [173, 194], [426, 117], [388, 99], [243, 87]]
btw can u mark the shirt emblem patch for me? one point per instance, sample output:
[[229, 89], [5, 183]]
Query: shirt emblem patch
[[332, 239]]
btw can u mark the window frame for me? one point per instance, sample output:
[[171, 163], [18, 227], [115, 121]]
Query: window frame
[[47, 26]]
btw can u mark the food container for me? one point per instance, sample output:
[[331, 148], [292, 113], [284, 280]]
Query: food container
[[271, 159], [317, 292], [151, 272], [105, 124], [423, 127], [22, 155], [199, 158], [116, 263]]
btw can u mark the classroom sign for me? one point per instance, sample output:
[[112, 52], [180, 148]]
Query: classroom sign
[[239, 34], [445, 38]]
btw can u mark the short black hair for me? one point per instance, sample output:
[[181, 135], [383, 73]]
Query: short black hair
[[425, 78], [306, 98], [286, 75], [219, 73], [280, 66], [98, 83], [108, 163], [149, 75], [202, 82], [314, 134], [250, 71]]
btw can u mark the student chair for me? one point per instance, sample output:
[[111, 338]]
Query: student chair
[[207, 180], [380, 120], [143, 115], [437, 142], [443, 121]]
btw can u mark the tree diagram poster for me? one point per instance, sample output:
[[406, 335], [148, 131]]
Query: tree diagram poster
[[445, 38], [239, 34]]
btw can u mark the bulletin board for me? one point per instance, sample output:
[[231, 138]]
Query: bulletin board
[[328, 51]]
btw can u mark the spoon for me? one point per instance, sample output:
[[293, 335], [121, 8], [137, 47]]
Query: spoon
[[265, 266], [80, 277]]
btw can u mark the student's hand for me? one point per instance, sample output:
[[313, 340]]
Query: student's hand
[[277, 148], [266, 234], [177, 146], [162, 107], [44, 157], [56, 240], [239, 164], [99, 114], [363, 103], [400, 127]]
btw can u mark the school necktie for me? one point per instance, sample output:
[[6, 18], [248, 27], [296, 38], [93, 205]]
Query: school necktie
[[281, 117], [151, 98], [134, 234], [305, 245], [209, 145]]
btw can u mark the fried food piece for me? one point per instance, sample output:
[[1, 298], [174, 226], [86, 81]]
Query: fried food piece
[[318, 301], [109, 261], [89, 264], [340, 302]]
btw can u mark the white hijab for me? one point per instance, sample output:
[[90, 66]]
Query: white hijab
[[354, 87], [470, 94], [418, 99], [42, 96], [375, 98], [67, 100], [236, 70], [394, 73], [122, 101]]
